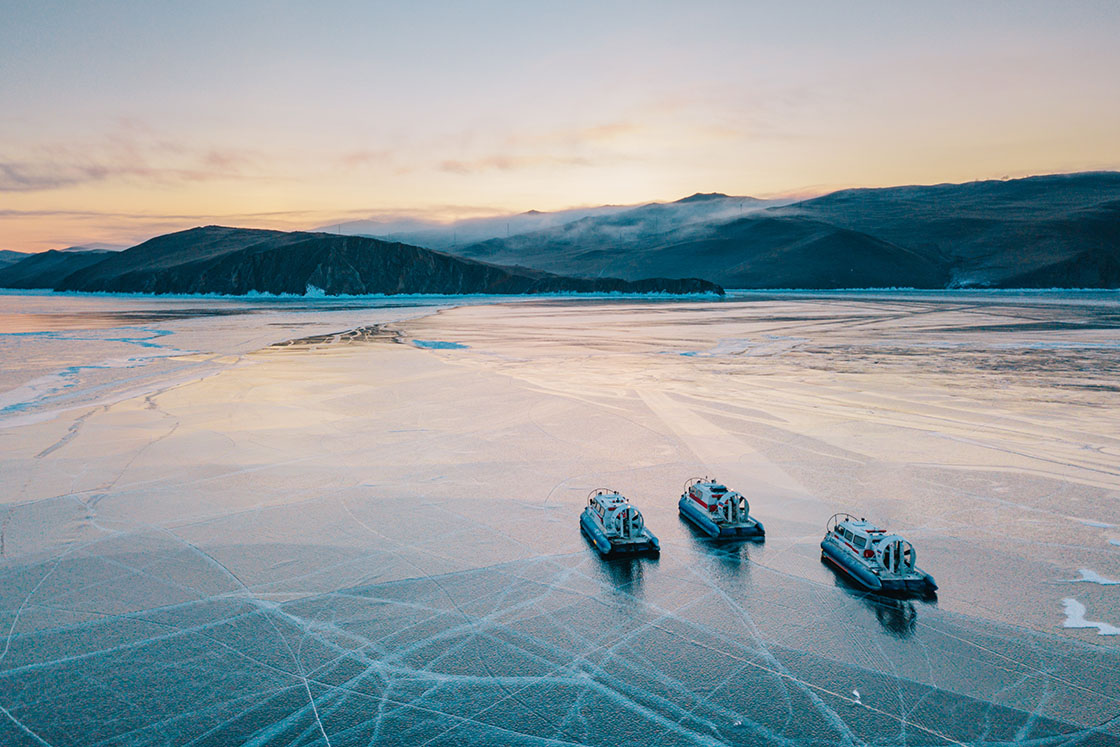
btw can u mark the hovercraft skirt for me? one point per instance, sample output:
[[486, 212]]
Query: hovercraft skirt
[[648, 545], [856, 572]]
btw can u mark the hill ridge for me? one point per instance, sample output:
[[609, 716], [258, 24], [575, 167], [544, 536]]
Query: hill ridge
[[236, 261]]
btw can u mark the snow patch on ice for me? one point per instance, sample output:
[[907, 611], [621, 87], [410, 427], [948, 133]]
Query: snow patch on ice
[[1093, 577], [1075, 618]]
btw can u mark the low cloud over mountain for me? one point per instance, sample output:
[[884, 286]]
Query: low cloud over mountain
[[1061, 231]]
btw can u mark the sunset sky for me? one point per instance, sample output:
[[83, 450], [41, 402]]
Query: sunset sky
[[123, 120]]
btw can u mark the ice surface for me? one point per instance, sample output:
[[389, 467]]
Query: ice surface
[[347, 540], [767, 345]]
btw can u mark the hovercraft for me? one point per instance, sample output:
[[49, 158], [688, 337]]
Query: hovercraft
[[616, 527], [873, 559], [718, 512]]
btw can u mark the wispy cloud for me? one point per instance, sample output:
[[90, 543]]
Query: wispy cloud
[[572, 137], [512, 163], [22, 176], [226, 162], [292, 214], [448, 213], [128, 152], [357, 158]]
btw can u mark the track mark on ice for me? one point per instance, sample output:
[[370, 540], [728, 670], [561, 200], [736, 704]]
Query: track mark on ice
[[71, 432], [23, 728]]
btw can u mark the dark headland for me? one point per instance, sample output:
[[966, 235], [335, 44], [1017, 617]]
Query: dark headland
[[237, 261]]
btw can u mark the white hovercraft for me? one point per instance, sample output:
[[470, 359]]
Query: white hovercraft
[[718, 512], [616, 527], [873, 559]]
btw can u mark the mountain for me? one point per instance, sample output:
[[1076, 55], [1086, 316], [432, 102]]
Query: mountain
[[216, 259], [767, 251], [1048, 231], [10, 258], [43, 270]]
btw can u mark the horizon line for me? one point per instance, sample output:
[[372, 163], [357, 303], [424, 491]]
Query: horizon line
[[435, 223]]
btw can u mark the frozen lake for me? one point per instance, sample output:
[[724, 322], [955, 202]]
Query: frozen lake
[[355, 521]]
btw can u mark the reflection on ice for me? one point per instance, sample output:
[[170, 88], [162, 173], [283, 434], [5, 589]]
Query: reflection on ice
[[624, 575], [899, 617], [732, 557]]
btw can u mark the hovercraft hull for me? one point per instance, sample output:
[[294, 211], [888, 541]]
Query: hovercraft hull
[[919, 583], [647, 544], [704, 523], [849, 567]]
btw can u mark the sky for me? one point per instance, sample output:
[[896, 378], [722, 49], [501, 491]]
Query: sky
[[124, 120]]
